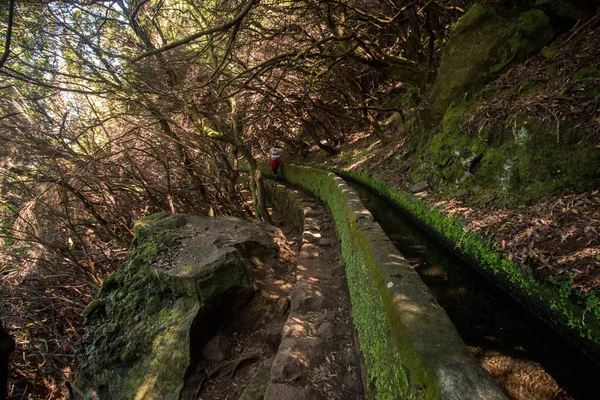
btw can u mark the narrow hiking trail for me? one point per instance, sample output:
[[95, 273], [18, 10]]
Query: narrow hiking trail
[[294, 339], [297, 341], [318, 356]]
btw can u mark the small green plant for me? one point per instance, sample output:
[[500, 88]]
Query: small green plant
[[564, 285], [346, 156], [364, 152]]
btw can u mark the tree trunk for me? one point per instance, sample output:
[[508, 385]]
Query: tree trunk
[[257, 186], [185, 159], [377, 131], [256, 183], [256, 180]]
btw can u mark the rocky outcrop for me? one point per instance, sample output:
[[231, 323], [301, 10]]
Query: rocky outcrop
[[509, 141], [482, 44], [179, 273]]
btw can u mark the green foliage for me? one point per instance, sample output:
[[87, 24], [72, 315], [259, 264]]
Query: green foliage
[[528, 88], [586, 73], [549, 51], [346, 156], [564, 285], [364, 152]]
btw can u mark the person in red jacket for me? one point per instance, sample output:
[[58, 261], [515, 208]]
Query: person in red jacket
[[275, 158]]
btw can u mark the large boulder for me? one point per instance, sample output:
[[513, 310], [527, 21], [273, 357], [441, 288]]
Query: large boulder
[[179, 272], [482, 43]]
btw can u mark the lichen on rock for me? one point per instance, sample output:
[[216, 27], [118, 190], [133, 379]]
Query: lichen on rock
[[178, 270]]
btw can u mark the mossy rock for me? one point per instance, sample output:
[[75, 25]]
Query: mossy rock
[[481, 44], [178, 270], [525, 162], [257, 387]]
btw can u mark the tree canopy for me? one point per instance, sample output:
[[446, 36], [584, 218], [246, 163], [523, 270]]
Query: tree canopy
[[114, 109]]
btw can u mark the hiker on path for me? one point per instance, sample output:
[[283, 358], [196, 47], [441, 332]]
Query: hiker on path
[[275, 159]]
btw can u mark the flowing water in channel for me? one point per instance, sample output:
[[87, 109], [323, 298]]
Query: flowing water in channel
[[526, 357]]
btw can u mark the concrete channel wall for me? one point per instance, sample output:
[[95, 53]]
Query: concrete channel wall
[[409, 346]]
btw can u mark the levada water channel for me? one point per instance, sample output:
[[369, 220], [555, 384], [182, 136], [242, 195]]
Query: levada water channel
[[525, 356]]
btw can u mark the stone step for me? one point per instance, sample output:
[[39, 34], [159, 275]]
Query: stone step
[[308, 297]]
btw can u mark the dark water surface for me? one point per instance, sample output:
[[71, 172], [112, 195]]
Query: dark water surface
[[521, 352]]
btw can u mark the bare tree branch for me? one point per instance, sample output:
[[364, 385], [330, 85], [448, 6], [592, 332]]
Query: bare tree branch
[[221, 28]]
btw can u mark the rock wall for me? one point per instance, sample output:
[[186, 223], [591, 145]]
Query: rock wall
[[286, 204], [180, 269], [507, 144], [481, 45], [410, 347]]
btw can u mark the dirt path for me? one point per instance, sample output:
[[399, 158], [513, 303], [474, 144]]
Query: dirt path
[[317, 357], [294, 339]]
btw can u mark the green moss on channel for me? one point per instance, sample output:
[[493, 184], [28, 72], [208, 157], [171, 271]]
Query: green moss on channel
[[398, 361], [385, 377], [575, 314]]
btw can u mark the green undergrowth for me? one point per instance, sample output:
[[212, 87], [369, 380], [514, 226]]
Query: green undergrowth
[[385, 378], [574, 313]]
